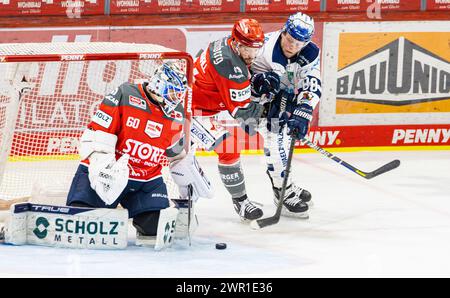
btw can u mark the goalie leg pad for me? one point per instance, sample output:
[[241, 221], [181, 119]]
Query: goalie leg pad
[[70, 227]]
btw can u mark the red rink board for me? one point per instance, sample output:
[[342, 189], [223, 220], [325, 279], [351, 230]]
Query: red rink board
[[173, 6], [362, 5], [282, 5], [438, 4], [70, 8], [362, 136]]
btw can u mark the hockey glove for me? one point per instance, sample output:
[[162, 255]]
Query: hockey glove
[[108, 177], [249, 117], [265, 83], [298, 122], [277, 116]]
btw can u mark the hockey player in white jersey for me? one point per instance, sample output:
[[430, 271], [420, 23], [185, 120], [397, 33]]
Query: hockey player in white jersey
[[290, 54]]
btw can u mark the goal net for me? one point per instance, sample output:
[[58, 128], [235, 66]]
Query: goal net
[[49, 93]]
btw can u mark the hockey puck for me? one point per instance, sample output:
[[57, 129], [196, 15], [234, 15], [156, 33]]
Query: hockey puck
[[221, 245]]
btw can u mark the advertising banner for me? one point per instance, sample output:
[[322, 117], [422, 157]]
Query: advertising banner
[[372, 5], [173, 6], [281, 5], [438, 4], [71, 8], [357, 136], [381, 136], [386, 73]]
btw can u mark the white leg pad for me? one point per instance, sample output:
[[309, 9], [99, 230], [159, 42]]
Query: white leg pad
[[69, 227]]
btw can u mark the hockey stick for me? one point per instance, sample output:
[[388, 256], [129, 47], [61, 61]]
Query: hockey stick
[[368, 175], [261, 223], [190, 193]]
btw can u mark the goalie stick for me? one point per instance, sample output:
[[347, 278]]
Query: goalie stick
[[261, 223], [368, 175], [190, 193]]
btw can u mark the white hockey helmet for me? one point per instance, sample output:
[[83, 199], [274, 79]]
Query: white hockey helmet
[[300, 26], [169, 85]]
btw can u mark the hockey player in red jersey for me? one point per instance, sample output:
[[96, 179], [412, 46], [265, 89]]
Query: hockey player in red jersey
[[136, 127], [222, 83]]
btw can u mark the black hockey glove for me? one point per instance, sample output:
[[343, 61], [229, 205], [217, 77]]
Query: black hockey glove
[[277, 115], [265, 83], [249, 117], [298, 122]]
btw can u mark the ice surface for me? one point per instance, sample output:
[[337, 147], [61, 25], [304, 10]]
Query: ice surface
[[397, 224]]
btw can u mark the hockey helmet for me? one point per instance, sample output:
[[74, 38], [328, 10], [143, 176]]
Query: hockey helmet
[[248, 32], [169, 85], [300, 26]]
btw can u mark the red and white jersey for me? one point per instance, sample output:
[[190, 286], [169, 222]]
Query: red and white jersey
[[143, 130], [221, 80]]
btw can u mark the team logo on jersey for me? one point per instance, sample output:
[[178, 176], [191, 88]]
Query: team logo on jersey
[[153, 129], [237, 73], [102, 119], [240, 94], [137, 102], [143, 151]]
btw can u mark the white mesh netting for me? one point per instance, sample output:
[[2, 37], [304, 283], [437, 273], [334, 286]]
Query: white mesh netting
[[51, 116]]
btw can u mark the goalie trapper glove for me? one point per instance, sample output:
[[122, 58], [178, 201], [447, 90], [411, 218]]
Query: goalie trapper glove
[[107, 176]]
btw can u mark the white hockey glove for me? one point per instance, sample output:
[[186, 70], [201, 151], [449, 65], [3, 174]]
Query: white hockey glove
[[108, 177], [187, 171]]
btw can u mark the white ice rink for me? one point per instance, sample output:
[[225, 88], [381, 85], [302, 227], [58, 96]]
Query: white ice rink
[[395, 225]]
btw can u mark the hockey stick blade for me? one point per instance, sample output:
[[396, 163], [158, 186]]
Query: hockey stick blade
[[368, 175], [386, 168], [261, 223]]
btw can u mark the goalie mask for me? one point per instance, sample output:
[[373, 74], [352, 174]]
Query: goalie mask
[[168, 85]]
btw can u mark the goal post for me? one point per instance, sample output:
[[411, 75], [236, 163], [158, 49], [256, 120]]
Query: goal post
[[49, 93]]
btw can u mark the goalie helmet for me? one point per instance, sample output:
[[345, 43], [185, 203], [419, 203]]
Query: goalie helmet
[[300, 26], [248, 32], [169, 85]]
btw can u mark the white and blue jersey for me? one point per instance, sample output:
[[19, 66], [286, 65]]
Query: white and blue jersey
[[298, 74]]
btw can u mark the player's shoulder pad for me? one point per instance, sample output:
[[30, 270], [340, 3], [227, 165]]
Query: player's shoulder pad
[[132, 97], [227, 63], [309, 54], [177, 115], [114, 98]]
